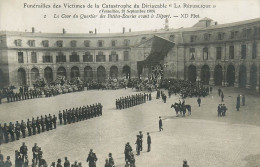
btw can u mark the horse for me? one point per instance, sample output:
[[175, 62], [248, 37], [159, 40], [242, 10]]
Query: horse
[[188, 107], [176, 107]]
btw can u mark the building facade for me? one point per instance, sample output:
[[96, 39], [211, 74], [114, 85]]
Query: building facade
[[217, 54]]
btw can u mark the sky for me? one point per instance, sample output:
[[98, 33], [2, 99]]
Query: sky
[[14, 17]]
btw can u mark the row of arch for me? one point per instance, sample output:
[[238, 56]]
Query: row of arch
[[230, 75], [74, 72]]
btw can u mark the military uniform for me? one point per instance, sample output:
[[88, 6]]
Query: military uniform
[[92, 158], [60, 117], [64, 117], [6, 133], [24, 150], [1, 134], [54, 120], [67, 162], [34, 126], [43, 124], [29, 127], [35, 151], [23, 128], [38, 126], [17, 130], [149, 141], [11, 131]]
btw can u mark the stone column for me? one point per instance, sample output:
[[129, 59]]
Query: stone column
[[248, 79], [236, 84], [211, 79], [94, 70], [224, 78]]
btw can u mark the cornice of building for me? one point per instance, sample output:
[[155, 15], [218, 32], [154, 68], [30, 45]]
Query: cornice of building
[[127, 34]]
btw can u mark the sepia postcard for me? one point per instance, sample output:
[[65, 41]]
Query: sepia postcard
[[139, 83]]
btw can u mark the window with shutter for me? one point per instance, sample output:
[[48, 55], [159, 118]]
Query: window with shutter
[[33, 57], [219, 53], [243, 51], [231, 52], [205, 54], [126, 53], [31, 43], [20, 57], [192, 53], [18, 42]]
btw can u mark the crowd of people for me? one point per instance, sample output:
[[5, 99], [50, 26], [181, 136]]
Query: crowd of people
[[130, 101], [186, 88], [41, 89], [41, 124]]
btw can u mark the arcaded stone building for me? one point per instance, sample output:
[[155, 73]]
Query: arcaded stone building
[[217, 54]]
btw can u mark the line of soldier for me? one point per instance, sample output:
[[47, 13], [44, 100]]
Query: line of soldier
[[24, 94], [34, 126], [222, 110], [79, 114], [130, 101], [42, 124]]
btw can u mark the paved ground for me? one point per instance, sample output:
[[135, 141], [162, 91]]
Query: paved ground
[[204, 139]]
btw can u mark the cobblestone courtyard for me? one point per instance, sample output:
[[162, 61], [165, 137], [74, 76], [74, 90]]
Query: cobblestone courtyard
[[204, 139]]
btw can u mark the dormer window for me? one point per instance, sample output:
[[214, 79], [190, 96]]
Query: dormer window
[[31, 43], [87, 43], [18, 42], [100, 43], [59, 43], [73, 43], [45, 43], [193, 38], [126, 42], [113, 43], [207, 37], [220, 36]]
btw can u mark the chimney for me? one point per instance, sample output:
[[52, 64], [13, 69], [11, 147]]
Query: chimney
[[123, 30], [216, 23], [95, 31], [63, 31], [33, 30], [129, 29]]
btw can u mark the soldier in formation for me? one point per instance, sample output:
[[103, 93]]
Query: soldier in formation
[[13, 132], [23, 94], [130, 101], [79, 114]]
